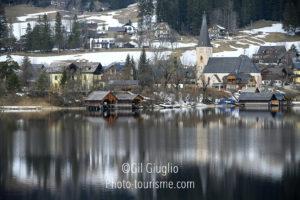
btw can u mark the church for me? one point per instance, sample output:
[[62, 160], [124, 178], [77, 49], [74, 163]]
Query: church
[[231, 73]]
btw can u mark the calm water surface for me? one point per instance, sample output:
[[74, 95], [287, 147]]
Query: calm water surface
[[227, 154]]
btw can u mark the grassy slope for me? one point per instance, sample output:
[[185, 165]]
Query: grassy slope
[[12, 12]]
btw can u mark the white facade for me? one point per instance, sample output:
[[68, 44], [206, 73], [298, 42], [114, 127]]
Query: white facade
[[101, 43]]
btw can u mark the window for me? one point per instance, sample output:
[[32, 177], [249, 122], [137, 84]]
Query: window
[[55, 78]]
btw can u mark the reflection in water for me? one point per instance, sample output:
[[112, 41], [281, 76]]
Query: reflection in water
[[229, 154]]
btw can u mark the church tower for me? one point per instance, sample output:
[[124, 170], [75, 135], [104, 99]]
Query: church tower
[[204, 49]]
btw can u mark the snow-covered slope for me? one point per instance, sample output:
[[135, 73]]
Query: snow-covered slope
[[189, 56], [275, 28], [110, 18], [105, 58]]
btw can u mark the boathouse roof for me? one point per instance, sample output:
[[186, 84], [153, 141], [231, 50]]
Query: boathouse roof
[[127, 95], [265, 96], [249, 96], [98, 95]]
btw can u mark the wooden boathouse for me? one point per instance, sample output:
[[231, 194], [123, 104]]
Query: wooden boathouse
[[262, 100], [107, 100], [98, 100]]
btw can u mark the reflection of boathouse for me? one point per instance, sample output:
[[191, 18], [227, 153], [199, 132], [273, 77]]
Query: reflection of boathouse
[[107, 100]]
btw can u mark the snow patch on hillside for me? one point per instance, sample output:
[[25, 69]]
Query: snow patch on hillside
[[107, 18], [188, 58], [105, 58], [175, 45], [275, 28], [34, 15]]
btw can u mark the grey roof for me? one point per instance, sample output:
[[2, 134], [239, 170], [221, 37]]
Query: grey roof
[[204, 40], [125, 95], [97, 95], [117, 65], [84, 67], [279, 50], [250, 96], [272, 73], [242, 64]]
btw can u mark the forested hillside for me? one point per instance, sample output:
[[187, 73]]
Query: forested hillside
[[185, 15], [79, 4]]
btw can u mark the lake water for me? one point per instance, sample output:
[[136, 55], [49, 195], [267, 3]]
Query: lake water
[[204, 154]]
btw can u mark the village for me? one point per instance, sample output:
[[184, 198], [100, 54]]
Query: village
[[152, 72]]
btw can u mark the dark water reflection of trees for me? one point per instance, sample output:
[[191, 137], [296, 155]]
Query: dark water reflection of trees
[[229, 154]]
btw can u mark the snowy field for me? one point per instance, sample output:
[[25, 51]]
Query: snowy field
[[189, 57], [107, 18], [275, 28], [105, 58]]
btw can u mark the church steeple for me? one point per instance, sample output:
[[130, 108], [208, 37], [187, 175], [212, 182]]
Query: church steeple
[[204, 40]]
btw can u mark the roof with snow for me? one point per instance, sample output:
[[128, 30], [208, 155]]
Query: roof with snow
[[82, 66], [204, 40], [242, 64], [127, 95], [97, 95]]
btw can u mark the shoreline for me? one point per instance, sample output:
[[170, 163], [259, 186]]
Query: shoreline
[[37, 108], [5, 109]]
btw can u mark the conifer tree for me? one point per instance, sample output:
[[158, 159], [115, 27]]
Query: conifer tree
[[42, 82], [74, 39], [26, 71], [28, 38], [144, 73], [47, 43], [127, 69], [63, 79], [36, 35], [134, 70], [290, 20], [58, 32], [8, 74], [3, 27]]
